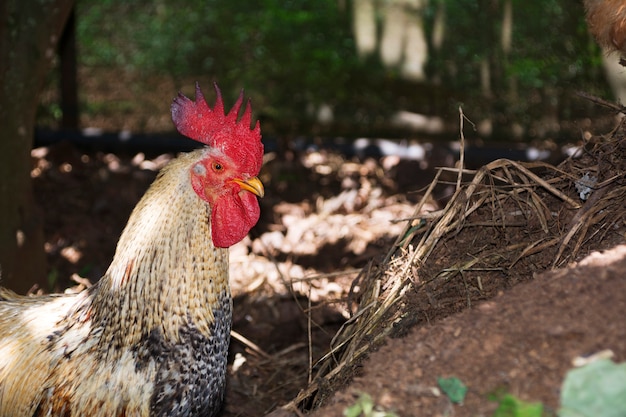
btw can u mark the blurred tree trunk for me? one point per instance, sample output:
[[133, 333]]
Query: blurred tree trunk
[[29, 32], [364, 27], [506, 41], [402, 42], [507, 27], [69, 79]]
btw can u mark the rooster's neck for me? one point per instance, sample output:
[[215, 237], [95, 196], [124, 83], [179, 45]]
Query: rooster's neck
[[166, 274]]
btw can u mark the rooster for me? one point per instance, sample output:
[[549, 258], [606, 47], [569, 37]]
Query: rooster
[[151, 337]]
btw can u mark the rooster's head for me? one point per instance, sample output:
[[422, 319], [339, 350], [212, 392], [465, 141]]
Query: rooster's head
[[226, 174]]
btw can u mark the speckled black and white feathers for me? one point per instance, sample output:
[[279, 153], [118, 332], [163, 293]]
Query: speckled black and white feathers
[[191, 374]]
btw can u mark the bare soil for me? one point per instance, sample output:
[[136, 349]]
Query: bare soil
[[522, 341]]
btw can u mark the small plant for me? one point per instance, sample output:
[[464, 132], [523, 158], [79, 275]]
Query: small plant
[[596, 389], [453, 388], [511, 406], [364, 406]]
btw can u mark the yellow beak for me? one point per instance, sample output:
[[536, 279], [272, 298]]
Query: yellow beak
[[254, 185]]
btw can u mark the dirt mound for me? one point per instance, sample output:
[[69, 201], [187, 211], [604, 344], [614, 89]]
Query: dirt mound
[[521, 342]]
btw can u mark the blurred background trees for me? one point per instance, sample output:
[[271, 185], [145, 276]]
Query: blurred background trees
[[347, 66], [350, 68]]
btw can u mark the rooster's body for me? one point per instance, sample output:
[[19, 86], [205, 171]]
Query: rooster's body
[[151, 337]]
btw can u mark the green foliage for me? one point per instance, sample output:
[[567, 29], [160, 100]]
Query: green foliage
[[511, 406], [596, 389], [294, 55], [453, 388], [294, 49], [364, 406], [550, 42], [552, 55]]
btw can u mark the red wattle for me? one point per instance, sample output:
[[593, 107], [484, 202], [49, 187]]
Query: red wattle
[[232, 217]]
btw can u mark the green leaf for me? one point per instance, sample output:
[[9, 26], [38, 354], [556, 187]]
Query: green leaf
[[367, 404], [453, 388], [510, 406], [364, 406], [412, 230], [353, 411], [596, 389]]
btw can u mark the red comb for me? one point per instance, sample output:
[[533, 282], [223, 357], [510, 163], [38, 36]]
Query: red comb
[[214, 128]]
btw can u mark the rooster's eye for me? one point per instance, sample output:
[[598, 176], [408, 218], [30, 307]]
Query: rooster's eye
[[217, 166]]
